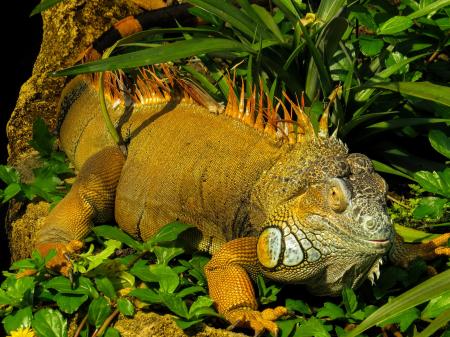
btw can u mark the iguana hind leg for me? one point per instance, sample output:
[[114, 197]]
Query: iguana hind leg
[[231, 288], [403, 253], [91, 199]]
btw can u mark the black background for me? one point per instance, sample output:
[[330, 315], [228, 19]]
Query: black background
[[20, 41]]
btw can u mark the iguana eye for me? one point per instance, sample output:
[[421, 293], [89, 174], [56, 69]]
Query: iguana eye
[[338, 195]]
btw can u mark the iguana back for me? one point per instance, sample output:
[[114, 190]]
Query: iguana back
[[184, 162]]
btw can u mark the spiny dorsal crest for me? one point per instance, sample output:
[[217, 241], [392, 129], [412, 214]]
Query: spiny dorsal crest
[[280, 120]]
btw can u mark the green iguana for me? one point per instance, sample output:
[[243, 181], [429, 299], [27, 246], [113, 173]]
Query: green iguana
[[267, 198]]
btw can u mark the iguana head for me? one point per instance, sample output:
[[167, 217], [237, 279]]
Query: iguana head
[[326, 224]]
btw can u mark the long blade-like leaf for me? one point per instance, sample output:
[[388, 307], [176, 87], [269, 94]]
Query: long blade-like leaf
[[432, 7], [165, 53], [426, 90], [46, 4], [425, 291]]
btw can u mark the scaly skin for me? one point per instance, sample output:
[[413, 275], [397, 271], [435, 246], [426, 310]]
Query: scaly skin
[[298, 209]]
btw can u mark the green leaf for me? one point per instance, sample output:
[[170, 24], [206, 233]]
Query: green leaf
[[430, 207], [312, 327], [168, 52], [298, 306], [9, 175], [437, 306], [69, 303], [146, 295], [45, 4], [11, 191], [350, 300], [98, 311], [395, 25], [432, 7], [186, 324], [201, 307], [169, 232], [175, 304], [328, 9], [168, 279], [125, 307], [435, 182], [428, 289], [115, 233], [268, 20], [425, 90], [20, 319], [111, 332], [190, 291], [42, 140], [440, 142], [330, 310], [105, 285], [436, 324], [62, 284], [166, 254], [49, 323], [19, 291], [404, 319], [370, 46]]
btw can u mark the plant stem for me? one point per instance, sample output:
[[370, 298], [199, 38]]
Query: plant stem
[[99, 332], [81, 326]]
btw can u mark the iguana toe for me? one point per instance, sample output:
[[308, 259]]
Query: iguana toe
[[61, 261], [256, 320]]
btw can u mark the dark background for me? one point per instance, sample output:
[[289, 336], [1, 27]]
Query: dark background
[[20, 43]]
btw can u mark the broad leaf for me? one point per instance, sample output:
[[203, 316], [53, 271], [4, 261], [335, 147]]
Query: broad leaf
[[395, 25], [20, 319], [440, 142], [49, 323], [99, 310]]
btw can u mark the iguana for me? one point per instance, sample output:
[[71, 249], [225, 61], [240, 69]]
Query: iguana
[[268, 195]]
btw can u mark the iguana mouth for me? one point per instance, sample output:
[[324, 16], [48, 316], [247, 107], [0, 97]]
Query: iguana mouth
[[377, 246]]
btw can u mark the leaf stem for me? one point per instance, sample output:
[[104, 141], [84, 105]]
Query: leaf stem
[[99, 332], [81, 326]]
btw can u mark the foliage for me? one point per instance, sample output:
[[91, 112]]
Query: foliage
[[48, 182], [104, 285]]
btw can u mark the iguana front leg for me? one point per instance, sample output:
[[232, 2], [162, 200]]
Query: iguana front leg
[[231, 288], [403, 253], [90, 199]]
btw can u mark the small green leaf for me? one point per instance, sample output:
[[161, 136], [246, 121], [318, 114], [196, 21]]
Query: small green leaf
[[190, 291], [111, 332], [146, 295], [370, 46], [440, 142], [166, 254], [404, 319], [350, 300], [98, 311], [430, 207], [45, 4], [69, 303], [395, 25], [43, 140], [49, 323], [11, 191], [186, 324], [168, 279], [435, 182], [298, 306], [115, 233], [312, 327], [105, 285], [20, 319], [169, 232], [197, 308], [125, 307], [330, 310], [437, 306], [175, 304], [9, 175]]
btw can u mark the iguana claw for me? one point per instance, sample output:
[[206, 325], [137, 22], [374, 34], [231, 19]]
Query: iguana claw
[[61, 262], [256, 320]]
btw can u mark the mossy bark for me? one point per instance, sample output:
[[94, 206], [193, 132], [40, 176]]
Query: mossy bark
[[68, 29]]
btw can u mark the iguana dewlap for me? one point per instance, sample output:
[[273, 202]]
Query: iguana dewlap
[[267, 197]]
